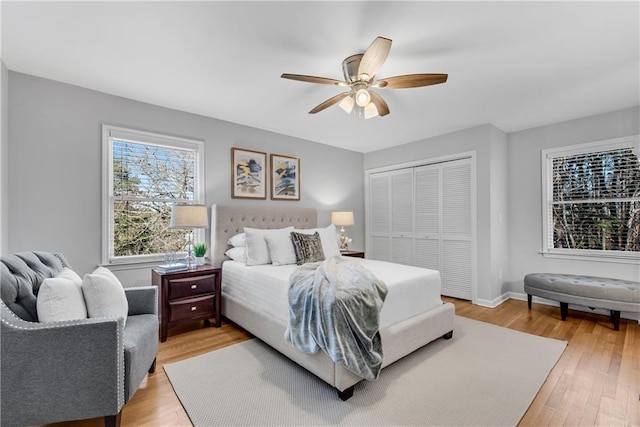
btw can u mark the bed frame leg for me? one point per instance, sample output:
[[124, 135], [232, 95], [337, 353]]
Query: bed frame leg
[[345, 394], [448, 335]]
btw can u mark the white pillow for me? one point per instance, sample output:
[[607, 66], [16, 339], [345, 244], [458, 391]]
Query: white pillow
[[281, 248], [237, 241], [257, 250], [60, 298], [104, 294], [67, 273], [237, 254], [329, 238]]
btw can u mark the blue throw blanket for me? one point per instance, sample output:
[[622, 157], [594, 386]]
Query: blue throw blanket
[[335, 305]]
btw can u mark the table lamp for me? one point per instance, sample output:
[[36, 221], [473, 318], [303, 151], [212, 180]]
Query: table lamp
[[189, 216], [343, 219]]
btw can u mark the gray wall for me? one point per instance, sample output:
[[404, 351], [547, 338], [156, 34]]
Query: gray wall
[[55, 151], [490, 146], [525, 198], [4, 158]]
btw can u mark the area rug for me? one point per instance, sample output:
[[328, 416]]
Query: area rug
[[485, 376]]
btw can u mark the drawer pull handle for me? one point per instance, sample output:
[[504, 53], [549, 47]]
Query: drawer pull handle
[[194, 286], [194, 308]]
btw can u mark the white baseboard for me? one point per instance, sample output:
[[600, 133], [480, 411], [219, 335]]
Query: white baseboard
[[492, 303], [537, 300]]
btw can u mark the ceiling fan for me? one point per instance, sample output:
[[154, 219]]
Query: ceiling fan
[[359, 71]]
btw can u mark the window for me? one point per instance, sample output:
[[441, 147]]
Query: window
[[591, 199], [145, 174]]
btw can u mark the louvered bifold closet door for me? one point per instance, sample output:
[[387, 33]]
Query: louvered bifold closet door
[[428, 217], [402, 216], [380, 216], [457, 268]]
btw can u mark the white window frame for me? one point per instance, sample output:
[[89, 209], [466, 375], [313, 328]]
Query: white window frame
[[109, 133], [547, 157]]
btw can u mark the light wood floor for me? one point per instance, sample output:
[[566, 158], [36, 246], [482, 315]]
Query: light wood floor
[[595, 382]]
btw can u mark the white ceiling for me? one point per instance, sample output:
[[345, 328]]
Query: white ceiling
[[513, 64]]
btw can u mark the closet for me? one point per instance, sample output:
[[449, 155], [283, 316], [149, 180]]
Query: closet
[[423, 216]]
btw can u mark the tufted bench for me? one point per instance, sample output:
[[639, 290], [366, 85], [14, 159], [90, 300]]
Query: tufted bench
[[594, 292]]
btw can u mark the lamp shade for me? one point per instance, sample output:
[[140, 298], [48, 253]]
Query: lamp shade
[[189, 216], [342, 218]]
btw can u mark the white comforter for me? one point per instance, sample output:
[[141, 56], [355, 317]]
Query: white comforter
[[412, 290]]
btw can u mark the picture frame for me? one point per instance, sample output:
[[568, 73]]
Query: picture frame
[[285, 177], [248, 174]]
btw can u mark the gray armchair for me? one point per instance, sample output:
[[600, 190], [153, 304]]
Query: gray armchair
[[68, 370]]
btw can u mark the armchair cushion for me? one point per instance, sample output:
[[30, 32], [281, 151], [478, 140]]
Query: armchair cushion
[[140, 342]]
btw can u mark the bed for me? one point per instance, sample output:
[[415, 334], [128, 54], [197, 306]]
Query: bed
[[412, 316]]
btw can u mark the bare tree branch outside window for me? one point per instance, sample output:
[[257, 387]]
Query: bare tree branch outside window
[[596, 201], [147, 180]]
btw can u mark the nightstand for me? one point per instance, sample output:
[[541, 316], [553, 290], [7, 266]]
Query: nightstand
[[188, 296], [355, 254]]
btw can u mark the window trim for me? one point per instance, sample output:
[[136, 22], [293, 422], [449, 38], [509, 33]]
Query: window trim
[[109, 132], [547, 156]]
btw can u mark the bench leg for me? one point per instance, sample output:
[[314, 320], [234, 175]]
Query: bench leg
[[564, 310], [615, 318], [529, 299]]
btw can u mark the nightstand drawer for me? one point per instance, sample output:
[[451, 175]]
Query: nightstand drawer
[[191, 286], [195, 308]]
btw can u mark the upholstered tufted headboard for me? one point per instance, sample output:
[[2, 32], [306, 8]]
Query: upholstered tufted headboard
[[227, 221]]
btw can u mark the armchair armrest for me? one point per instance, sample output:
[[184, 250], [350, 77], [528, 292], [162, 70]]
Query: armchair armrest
[[142, 300], [60, 370]]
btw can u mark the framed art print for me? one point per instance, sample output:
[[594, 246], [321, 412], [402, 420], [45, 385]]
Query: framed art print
[[285, 177], [248, 174]]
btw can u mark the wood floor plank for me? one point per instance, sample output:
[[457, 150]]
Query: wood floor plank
[[596, 382]]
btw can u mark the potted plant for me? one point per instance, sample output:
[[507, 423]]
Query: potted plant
[[199, 250]]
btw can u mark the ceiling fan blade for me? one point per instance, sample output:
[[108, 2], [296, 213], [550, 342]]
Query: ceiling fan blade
[[410, 80], [374, 57], [381, 106], [314, 79], [329, 102]]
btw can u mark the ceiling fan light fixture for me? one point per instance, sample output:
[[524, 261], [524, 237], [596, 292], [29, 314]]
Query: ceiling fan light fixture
[[363, 97], [370, 110], [359, 72], [347, 104]]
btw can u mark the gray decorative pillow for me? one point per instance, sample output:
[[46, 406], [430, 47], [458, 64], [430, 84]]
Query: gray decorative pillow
[[308, 247]]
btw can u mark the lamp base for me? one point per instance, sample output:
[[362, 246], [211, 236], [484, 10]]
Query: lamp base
[[344, 240], [190, 259]]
